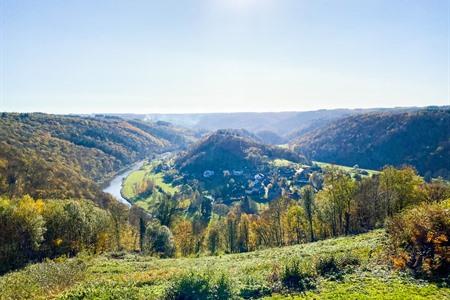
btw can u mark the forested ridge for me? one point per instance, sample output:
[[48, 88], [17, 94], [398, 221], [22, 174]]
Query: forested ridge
[[231, 149], [67, 156], [418, 138]]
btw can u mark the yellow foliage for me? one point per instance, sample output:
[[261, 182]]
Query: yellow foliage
[[128, 238], [57, 242], [40, 206]]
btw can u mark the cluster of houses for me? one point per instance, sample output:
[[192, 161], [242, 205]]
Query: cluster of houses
[[209, 173], [262, 184], [267, 184]]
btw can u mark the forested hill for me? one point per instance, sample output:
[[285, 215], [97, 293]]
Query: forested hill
[[67, 156], [231, 149], [420, 139]]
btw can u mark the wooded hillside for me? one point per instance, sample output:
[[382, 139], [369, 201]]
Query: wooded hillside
[[67, 156], [420, 139]]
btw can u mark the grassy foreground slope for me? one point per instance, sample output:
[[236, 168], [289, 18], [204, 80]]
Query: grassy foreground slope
[[140, 277]]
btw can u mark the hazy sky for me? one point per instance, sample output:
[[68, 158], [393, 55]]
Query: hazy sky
[[221, 55]]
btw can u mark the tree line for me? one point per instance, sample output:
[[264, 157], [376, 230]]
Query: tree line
[[191, 225], [31, 230], [343, 206]]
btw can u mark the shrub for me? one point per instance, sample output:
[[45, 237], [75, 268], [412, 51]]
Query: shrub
[[199, 287], [334, 267], [328, 266], [222, 288], [420, 240], [38, 280], [253, 289], [349, 260], [294, 277]]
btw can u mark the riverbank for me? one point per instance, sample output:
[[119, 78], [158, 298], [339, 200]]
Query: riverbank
[[115, 185]]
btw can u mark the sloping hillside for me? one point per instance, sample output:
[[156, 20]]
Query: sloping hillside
[[231, 150], [420, 139], [178, 137], [253, 275], [66, 156]]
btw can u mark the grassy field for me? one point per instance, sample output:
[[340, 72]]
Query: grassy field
[[350, 170], [283, 163], [136, 177], [131, 276]]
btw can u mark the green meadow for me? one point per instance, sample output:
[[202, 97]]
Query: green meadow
[[132, 276], [146, 172]]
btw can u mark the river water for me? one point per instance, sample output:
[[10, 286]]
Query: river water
[[115, 185]]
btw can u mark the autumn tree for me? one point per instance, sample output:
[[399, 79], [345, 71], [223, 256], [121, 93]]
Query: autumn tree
[[307, 196], [339, 189], [184, 237], [165, 209], [400, 188], [158, 240], [368, 211], [295, 229], [214, 236], [232, 231], [244, 233], [22, 231]]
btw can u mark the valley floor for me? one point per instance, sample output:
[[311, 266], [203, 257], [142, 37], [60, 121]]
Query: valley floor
[[130, 276]]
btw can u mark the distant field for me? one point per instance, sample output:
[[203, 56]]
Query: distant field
[[283, 163], [145, 172], [350, 170], [141, 277]]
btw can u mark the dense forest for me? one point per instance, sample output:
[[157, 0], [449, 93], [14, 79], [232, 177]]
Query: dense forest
[[419, 138], [231, 150], [68, 156]]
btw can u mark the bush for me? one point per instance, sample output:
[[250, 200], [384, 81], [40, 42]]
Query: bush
[[420, 240], [36, 281], [334, 267], [328, 266], [254, 289], [295, 278], [200, 287], [349, 260]]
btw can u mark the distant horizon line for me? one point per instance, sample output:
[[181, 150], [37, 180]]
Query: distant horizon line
[[231, 112]]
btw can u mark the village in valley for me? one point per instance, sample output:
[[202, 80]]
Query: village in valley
[[269, 181]]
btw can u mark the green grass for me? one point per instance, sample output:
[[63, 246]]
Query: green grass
[[282, 163], [350, 170], [145, 172], [367, 285], [44, 280], [143, 277]]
